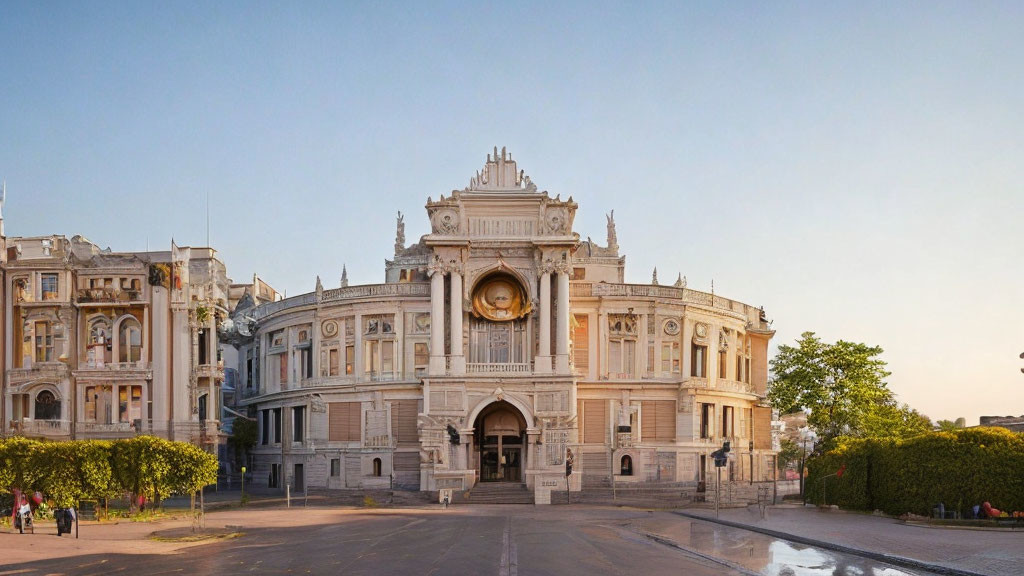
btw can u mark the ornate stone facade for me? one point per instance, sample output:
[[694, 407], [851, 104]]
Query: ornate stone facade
[[101, 344], [499, 343]]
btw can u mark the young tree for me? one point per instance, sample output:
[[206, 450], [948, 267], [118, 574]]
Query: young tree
[[840, 384], [243, 438]]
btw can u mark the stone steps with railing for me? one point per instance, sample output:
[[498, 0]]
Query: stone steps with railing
[[495, 493]]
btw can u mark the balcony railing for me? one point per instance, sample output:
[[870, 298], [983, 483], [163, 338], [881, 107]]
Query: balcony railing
[[104, 296], [102, 428], [215, 371], [735, 386], [137, 365], [40, 427], [498, 368], [38, 371]]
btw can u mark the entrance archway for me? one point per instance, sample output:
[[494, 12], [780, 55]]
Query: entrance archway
[[500, 438]]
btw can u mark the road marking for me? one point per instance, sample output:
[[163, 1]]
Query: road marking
[[509, 555]]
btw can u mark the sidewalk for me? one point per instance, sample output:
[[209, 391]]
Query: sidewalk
[[940, 549]]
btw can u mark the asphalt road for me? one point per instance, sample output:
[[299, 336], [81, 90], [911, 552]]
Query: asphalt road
[[502, 540], [467, 540]]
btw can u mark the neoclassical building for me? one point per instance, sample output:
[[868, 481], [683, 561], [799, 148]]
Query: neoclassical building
[[499, 345], [100, 344]]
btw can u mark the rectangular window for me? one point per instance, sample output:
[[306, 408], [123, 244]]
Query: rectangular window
[[275, 475], [334, 362], [698, 363], [282, 361], [421, 357], [44, 342], [581, 344], [350, 359], [299, 424], [343, 421], [722, 363], [746, 370], [306, 361], [622, 358], [48, 283], [658, 420], [670, 357], [650, 358], [335, 467], [403, 421], [727, 423], [739, 368], [595, 421], [248, 369], [277, 425], [264, 427], [129, 403], [706, 410], [91, 396]]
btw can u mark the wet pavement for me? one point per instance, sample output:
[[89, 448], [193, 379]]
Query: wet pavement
[[503, 540]]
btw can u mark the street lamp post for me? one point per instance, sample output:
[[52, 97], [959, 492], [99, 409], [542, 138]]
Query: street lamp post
[[243, 486], [805, 434]]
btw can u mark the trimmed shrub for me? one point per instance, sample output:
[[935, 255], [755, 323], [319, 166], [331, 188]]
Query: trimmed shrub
[[959, 468]]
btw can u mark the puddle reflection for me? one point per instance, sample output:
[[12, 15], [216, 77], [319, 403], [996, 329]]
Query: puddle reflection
[[773, 557]]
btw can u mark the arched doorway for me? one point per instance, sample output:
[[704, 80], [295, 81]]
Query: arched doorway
[[500, 437]]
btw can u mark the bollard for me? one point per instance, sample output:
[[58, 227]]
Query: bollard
[[288, 494]]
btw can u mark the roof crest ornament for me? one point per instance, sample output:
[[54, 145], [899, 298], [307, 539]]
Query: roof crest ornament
[[500, 174]]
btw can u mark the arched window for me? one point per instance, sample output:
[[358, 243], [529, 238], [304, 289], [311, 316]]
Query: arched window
[[202, 407], [129, 341], [100, 341], [376, 467], [626, 468], [47, 406]]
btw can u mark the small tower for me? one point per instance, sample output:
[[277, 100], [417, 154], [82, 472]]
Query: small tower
[[344, 276], [654, 277]]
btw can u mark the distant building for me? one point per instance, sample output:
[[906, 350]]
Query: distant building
[[498, 346], [100, 344], [1012, 423]]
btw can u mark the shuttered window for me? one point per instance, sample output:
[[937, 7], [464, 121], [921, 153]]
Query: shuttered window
[[343, 421], [595, 421], [581, 343], [403, 421], [658, 419], [762, 428]]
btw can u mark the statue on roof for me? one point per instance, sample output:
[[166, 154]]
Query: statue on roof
[[613, 241], [400, 233]]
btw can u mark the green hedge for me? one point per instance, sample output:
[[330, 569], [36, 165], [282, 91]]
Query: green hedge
[[959, 468], [90, 469]]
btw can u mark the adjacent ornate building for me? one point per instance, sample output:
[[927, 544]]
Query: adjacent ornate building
[[101, 344], [498, 346]]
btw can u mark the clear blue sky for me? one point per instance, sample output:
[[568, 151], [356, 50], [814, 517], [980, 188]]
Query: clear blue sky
[[854, 168]]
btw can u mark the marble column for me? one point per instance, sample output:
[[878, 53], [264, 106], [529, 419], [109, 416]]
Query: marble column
[[562, 325], [437, 359], [458, 358], [542, 364]]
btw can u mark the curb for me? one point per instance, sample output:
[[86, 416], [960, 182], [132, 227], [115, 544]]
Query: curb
[[877, 556]]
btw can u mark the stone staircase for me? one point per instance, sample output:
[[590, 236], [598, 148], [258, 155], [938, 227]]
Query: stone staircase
[[495, 493]]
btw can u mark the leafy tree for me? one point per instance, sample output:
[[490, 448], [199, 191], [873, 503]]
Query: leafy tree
[[890, 420], [839, 383], [19, 465], [789, 453], [140, 466], [191, 468], [243, 437], [75, 471], [950, 425]]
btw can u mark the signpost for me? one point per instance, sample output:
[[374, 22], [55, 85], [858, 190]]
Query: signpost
[[720, 461]]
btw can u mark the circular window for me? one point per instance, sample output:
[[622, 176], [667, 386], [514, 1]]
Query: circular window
[[671, 327]]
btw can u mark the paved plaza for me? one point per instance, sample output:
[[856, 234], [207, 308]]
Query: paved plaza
[[502, 540]]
